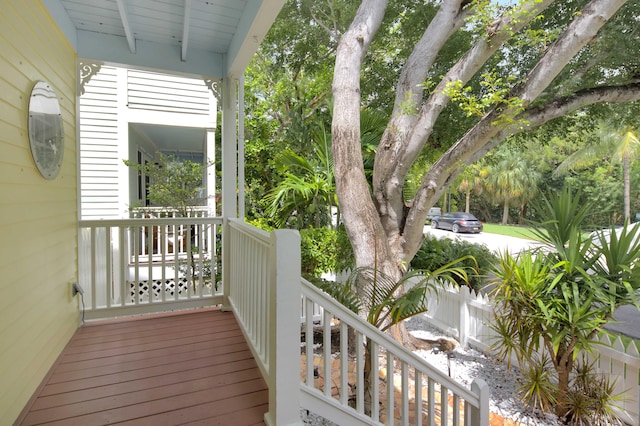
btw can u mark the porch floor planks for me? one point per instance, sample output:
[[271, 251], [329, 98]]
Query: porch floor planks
[[194, 368]]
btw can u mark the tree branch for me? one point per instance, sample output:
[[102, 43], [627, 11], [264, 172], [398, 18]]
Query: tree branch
[[486, 133]]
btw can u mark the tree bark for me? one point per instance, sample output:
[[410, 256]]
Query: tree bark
[[384, 231], [361, 218], [505, 212]]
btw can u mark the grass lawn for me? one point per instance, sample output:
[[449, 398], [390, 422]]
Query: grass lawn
[[510, 230]]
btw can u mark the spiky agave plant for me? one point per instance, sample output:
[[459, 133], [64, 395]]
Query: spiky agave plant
[[537, 391], [592, 398]]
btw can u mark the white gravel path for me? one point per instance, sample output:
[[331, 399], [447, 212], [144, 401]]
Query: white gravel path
[[469, 364]]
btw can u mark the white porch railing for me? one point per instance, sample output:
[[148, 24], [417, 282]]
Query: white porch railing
[[410, 390], [120, 278], [265, 293]]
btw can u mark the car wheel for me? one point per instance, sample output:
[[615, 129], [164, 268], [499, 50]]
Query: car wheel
[[455, 228], [434, 224]]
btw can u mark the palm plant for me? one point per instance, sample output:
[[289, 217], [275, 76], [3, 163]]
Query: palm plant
[[511, 181], [386, 302], [621, 145], [557, 299], [308, 188], [471, 180]]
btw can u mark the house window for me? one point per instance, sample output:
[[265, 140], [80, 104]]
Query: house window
[[143, 180]]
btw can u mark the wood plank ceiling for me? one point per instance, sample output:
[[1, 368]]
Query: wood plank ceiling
[[203, 37]]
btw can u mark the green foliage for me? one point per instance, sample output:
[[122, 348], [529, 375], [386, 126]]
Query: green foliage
[[558, 299], [175, 184], [592, 398], [621, 145], [324, 250], [435, 253], [495, 90], [509, 179], [306, 194], [386, 302], [536, 390]]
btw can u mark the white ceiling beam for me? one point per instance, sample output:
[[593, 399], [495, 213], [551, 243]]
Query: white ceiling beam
[[185, 29], [127, 27]]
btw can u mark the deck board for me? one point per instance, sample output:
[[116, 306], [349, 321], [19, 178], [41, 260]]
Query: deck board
[[194, 368]]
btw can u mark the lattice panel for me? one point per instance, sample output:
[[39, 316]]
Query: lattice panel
[[156, 286]]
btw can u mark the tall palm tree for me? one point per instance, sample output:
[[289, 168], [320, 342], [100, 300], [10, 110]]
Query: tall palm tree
[[472, 180], [511, 181], [622, 146]]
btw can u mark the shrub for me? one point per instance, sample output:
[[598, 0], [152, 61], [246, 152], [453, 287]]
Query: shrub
[[325, 250], [434, 253]]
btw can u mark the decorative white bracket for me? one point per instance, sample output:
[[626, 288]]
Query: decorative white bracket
[[214, 86], [87, 70]]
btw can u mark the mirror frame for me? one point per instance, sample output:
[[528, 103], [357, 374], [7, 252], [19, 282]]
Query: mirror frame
[[46, 132]]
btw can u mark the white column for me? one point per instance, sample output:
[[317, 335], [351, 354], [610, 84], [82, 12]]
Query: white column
[[241, 147], [478, 416], [284, 330], [229, 176], [211, 171], [229, 149]]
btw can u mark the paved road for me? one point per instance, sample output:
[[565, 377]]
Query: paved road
[[626, 318], [496, 243]]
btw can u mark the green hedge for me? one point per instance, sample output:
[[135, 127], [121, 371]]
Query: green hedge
[[435, 253], [325, 250]]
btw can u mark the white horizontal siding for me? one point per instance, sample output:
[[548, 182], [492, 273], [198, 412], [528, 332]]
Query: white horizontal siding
[[169, 93], [99, 152]]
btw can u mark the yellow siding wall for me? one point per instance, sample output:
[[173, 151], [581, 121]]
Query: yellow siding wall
[[38, 217]]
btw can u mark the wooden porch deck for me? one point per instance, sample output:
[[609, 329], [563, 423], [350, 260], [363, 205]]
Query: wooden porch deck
[[194, 368]]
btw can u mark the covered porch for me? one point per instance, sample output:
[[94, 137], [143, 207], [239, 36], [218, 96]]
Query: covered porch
[[189, 368], [259, 349]]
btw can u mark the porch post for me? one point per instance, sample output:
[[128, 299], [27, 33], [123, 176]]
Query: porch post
[[229, 149], [478, 416], [241, 147], [229, 176], [284, 330]]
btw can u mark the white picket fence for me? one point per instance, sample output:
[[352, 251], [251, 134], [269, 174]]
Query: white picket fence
[[466, 315]]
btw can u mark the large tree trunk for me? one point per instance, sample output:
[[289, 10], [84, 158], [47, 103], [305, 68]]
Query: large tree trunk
[[384, 231], [364, 228]]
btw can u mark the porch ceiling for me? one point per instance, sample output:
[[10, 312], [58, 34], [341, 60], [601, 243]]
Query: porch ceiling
[[214, 38]]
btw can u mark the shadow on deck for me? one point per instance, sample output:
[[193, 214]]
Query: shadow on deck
[[190, 368]]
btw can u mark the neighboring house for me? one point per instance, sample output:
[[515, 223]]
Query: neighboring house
[[39, 218], [134, 115]]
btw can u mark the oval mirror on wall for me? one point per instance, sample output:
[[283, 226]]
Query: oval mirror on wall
[[46, 134]]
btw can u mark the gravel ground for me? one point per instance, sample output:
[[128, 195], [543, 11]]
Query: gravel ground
[[470, 364]]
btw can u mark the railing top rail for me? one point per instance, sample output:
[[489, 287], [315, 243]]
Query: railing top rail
[[203, 207], [252, 231], [400, 352], [101, 223]]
